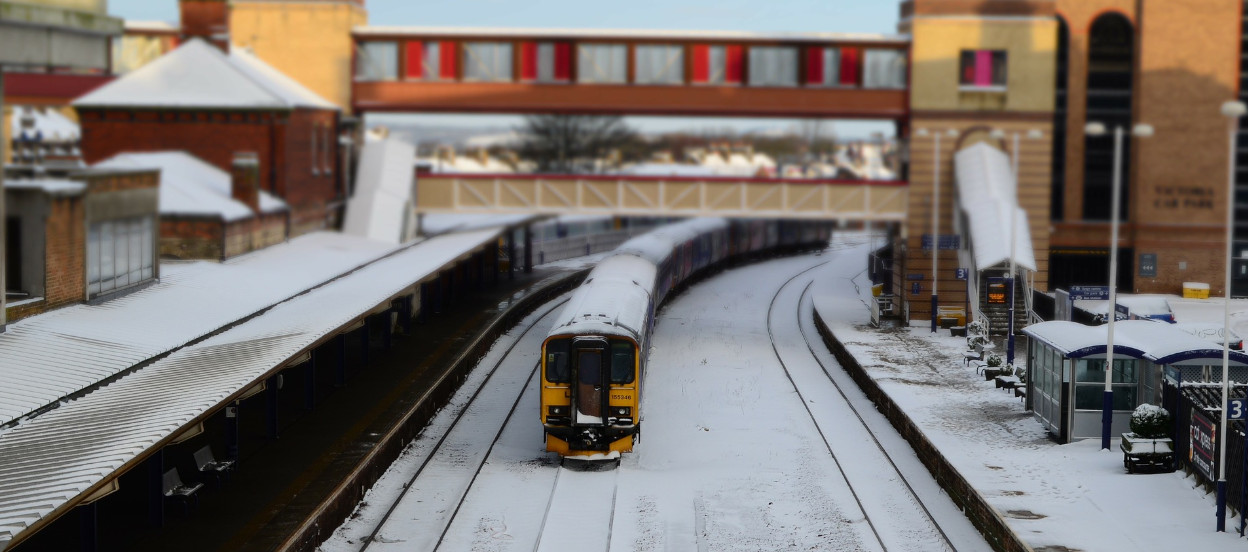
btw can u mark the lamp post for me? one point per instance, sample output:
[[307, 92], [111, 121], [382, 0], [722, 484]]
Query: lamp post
[[1000, 134], [923, 132], [1233, 111], [1107, 401]]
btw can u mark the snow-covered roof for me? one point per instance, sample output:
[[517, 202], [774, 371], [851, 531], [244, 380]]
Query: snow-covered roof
[[614, 300], [383, 196], [198, 75], [390, 30], [89, 439], [987, 194], [49, 125], [208, 296], [1158, 342], [435, 223], [52, 186], [150, 27], [192, 186]]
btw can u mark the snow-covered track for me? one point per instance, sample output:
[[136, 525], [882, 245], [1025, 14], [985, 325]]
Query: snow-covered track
[[437, 489], [582, 503], [894, 511]]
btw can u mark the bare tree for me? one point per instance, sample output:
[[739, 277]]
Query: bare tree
[[574, 143]]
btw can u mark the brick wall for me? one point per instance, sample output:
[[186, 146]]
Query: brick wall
[[191, 238], [283, 143], [66, 250], [255, 233]]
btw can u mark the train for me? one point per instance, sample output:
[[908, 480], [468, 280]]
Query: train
[[594, 357]]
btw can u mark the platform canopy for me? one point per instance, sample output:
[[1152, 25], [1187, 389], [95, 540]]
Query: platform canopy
[[986, 194], [1157, 342]]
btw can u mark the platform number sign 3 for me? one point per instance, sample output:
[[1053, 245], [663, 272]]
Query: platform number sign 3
[[1236, 409]]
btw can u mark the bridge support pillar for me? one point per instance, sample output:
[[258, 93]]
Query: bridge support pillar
[[528, 249]]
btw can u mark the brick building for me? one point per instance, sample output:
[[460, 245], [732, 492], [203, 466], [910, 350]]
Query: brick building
[[85, 237], [212, 104], [205, 212]]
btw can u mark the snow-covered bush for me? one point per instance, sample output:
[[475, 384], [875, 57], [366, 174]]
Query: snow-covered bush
[[994, 360], [1007, 370], [1150, 421]]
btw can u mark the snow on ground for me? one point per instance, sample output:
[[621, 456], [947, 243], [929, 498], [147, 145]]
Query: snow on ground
[[1073, 496]]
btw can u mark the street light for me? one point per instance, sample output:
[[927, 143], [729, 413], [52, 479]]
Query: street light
[[1107, 402], [1233, 111], [923, 132], [999, 134]]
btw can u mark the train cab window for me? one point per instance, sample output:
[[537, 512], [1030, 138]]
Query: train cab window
[[558, 369], [622, 364]]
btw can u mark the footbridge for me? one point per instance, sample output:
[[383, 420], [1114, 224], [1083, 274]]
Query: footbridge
[[860, 200]]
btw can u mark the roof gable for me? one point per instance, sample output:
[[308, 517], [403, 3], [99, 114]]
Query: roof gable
[[197, 74]]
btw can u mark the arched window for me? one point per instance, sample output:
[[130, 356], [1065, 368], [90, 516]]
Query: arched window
[[1111, 63], [1058, 168]]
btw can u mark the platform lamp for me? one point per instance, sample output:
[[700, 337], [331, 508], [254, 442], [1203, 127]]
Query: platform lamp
[[999, 134], [1233, 110], [1140, 130], [923, 133]]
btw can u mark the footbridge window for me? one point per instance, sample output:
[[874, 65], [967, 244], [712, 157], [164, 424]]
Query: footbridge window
[[660, 64], [545, 61], [377, 61], [883, 68], [602, 64], [717, 64], [773, 66]]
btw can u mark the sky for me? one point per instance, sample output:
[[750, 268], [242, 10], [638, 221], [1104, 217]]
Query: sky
[[849, 16]]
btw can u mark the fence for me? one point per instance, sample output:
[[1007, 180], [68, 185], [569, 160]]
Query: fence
[[1206, 398]]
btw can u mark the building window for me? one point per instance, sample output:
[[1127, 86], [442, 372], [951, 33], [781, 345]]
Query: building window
[[659, 64], [315, 151], [487, 61], [983, 70], [773, 66], [883, 68], [327, 158], [602, 64], [13, 256], [377, 61], [545, 61], [120, 254], [430, 60], [717, 64]]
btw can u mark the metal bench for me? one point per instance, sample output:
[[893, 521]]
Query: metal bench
[[175, 489], [208, 465]]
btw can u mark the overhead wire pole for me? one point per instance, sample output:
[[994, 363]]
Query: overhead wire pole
[[4, 237], [1009, 350], [1233, 111]]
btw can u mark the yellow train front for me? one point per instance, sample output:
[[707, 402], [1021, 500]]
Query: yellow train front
[[593, 360]]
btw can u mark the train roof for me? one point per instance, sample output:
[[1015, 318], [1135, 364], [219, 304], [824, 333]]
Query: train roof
[[613, 301], [657, 246]]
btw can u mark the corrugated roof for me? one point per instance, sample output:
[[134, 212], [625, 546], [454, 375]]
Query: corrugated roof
[[48, 461], [59, 353], [1158, 342], [199, 75], [192, 186]]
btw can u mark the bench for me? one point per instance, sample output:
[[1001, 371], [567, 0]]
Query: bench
[[1020, 392], [208, 465], [175, 489], [1006, 382], [968, 356], [979, 366]]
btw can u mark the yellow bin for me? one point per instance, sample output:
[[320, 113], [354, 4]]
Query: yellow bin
[[1195, 290], [877, 290]]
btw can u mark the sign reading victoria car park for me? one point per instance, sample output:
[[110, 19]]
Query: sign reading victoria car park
[[1204, 439]]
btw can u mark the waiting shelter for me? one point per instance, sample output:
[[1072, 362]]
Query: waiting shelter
[[1066, 371]]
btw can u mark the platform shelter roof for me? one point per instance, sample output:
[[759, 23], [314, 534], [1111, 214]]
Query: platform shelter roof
[[51, 462], [1157, 342]]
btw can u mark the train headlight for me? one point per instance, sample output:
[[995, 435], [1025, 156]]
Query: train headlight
[[557, 410], [621, 410]]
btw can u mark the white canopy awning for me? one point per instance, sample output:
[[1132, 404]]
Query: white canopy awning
[[987, 194]]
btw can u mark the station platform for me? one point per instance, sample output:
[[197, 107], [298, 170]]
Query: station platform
[[1020, 487], [247, 381]]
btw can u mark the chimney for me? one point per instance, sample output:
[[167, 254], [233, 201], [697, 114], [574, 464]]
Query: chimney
[[206, 19], [245, 179]]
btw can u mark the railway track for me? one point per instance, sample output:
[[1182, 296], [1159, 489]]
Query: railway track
[[898, 518], [428, 505]]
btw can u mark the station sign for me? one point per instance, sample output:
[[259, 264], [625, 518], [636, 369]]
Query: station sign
[[1089, 292], [1148, 265], [914, 276], [961, 273], [943, 241], [1236, 409]]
